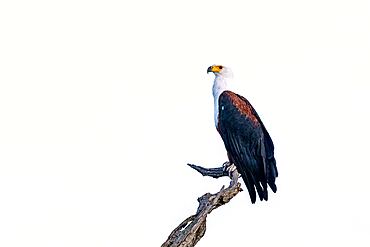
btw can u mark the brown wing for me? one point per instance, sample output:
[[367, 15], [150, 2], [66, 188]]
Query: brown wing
[[248, 144]]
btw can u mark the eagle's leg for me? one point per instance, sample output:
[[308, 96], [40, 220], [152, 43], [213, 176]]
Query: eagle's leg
[[229, 167]]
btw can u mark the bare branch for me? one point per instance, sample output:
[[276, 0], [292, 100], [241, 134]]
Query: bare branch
[[191, 230], [211, 172]]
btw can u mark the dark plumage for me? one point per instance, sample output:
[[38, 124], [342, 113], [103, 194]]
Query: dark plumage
[[248, 144]]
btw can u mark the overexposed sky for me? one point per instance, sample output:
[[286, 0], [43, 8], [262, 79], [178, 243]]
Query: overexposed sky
[[103, 103]]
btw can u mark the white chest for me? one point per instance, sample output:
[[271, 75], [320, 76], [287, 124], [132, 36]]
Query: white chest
[[216, 95], [220, 84]]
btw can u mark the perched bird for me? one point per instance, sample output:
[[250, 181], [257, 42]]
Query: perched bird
[[247, 142]]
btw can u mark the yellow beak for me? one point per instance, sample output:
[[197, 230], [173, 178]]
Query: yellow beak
[[214, 68]]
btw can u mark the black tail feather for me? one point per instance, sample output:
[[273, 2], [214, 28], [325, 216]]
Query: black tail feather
[[250, 185], [272, 173]]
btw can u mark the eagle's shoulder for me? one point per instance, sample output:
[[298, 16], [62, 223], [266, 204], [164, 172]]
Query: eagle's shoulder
[[229, 99]]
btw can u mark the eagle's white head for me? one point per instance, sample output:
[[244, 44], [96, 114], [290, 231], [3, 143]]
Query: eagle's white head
[[220, 71], [223, 79]]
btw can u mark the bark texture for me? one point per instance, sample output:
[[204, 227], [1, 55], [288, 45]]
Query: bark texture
[[191, 230]]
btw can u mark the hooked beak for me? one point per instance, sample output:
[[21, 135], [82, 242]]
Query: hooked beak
[[215, 68]]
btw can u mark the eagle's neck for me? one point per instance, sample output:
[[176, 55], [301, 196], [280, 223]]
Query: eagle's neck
[[221, 83]]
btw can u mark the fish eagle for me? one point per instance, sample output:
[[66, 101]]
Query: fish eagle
[[247, 142]]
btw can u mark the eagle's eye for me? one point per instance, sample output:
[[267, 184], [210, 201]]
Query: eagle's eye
[[220, 67]]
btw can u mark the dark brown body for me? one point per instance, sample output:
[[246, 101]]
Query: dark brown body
[[248, 144]]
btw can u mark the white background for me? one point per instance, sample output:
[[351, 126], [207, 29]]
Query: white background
[[103, 103]]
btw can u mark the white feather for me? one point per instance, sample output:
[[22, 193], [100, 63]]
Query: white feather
[[222, 82]]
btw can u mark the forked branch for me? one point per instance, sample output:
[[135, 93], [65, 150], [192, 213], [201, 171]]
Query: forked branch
[[191, 230]]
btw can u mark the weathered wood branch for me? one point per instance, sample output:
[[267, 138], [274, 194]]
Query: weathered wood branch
[[211, 172], [191, 230]]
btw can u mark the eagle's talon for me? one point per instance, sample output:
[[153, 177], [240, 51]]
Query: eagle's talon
[[229, 167]]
